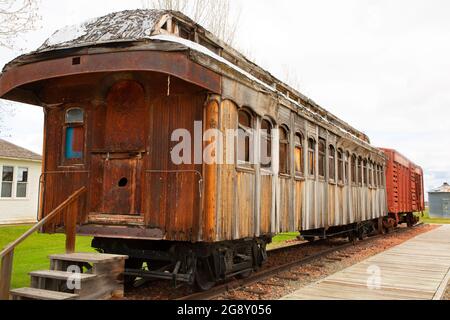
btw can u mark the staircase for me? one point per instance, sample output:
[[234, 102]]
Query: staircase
[[76, 276]]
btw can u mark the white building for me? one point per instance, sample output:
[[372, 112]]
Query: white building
[[20, 172]]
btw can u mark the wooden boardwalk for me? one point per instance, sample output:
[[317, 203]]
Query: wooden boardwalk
[[418, 269]]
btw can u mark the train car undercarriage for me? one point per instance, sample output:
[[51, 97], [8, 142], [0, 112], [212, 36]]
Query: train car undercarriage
[[202, 264]]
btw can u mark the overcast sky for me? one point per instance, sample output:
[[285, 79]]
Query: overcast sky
[[382, 66]]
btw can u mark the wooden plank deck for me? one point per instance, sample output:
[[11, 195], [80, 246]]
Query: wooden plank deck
[[418, 269]]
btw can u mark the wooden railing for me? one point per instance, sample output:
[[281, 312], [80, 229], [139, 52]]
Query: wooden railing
[[70, 207]]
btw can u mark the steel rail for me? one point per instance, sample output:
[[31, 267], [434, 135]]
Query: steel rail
[[263, 275]]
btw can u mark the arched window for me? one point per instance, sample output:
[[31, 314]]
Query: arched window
[[245, 138], [312, 157], [340, 166], [376, 175], [74, 135], [299, 166], [266, 144], [322, 157], [347, 168], [381, 173], [354, 170], [370, 174], [360, 171], [284, 151], [365, 173], [332, 163]]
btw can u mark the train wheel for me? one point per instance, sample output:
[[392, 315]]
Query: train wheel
[[135, 264], [410, 220], [204, 278]]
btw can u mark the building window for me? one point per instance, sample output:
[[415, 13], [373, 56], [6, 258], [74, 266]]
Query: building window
[[370, 174], [22, 183], [284, 151], [322, 156], [299, 166], [312, 156], [340, 166], [244, 138], [332, 163], [347, 167], [7, 181], [354, 171], [266, 144], [74, 134]]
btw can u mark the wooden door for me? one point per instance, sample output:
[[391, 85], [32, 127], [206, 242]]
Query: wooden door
[[118, 166]]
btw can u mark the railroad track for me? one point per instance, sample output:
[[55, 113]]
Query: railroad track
[[274, 271]]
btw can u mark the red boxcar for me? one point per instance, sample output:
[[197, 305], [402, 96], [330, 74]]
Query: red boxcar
[[404, 184]]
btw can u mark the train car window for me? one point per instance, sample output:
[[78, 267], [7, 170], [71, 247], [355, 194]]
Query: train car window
[[340, 166], [354, 170], [266, 144], [375, 175], [244, 138], [284, 151], [74, 135], [322, 155], [366, 173], [360, 171], [332, 163], [312, 157], [299, 166]]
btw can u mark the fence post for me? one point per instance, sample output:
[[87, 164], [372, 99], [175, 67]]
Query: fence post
[[71, 226], [5, 275]]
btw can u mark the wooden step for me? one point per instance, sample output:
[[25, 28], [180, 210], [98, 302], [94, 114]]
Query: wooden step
[[61, 275], [88, 257], [39, 294]]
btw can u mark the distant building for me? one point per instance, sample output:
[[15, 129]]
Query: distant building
[[21, 170], [439, 200]]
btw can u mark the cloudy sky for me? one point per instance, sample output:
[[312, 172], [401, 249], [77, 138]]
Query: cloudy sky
[[383, 66]]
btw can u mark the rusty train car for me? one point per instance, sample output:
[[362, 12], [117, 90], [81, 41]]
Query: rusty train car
[[115, 89], [404, 185]]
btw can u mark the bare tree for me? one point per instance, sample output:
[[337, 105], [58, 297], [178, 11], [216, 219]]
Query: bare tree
[[217, 16], [17, 17]]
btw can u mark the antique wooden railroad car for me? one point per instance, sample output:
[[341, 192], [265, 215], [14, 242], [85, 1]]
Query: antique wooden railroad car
[[115, 89], [404, 183]]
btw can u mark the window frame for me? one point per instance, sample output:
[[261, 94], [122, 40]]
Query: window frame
[[250, 136], [269, 138], [11, 183], [354, 170], [322, 158], [26, 183], [341, 166], [332, 157], [312, 157], [299, 146], [70, 162], [15, 182], [287, 157]]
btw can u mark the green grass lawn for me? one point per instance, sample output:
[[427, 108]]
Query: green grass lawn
[[426, 219], [32, 255]]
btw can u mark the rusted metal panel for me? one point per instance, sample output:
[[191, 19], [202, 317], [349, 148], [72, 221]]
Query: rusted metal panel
[[173, 63], [403, 184]]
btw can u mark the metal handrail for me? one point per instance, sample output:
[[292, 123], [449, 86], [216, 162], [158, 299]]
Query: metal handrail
[[7, 253]]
